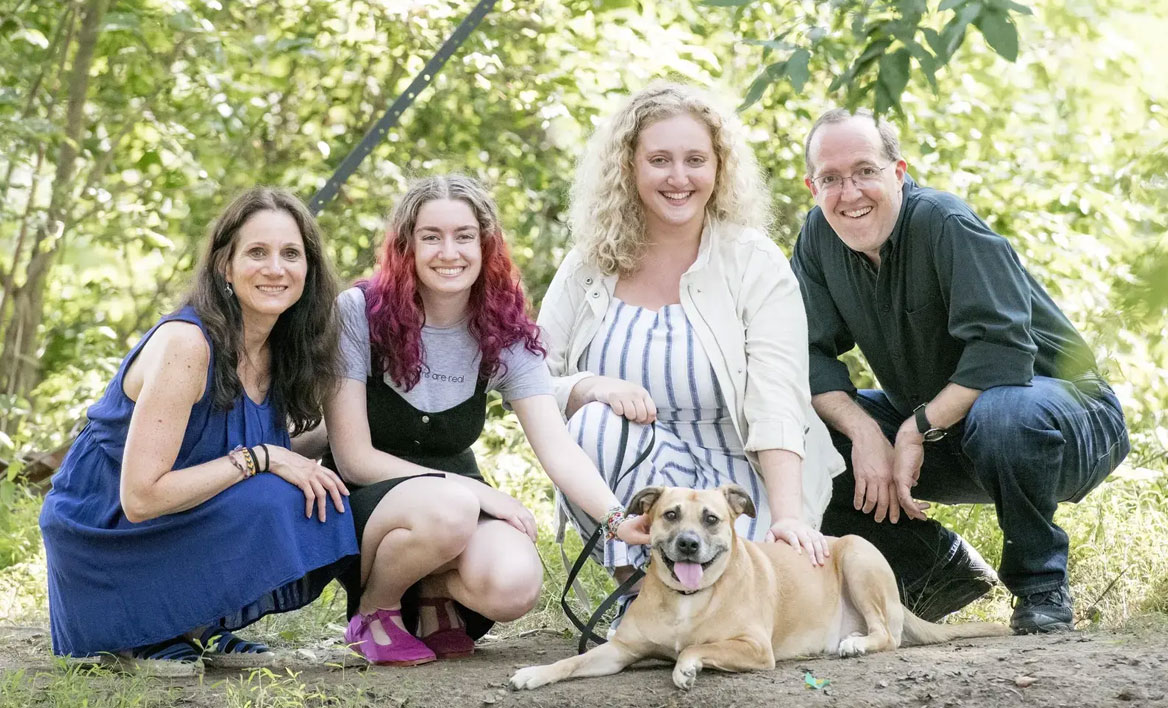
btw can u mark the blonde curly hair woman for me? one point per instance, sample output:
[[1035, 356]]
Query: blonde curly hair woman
[[676, 308], [608, 218]]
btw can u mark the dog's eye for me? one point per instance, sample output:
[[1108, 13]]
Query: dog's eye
[[711, 519], [670, 515]]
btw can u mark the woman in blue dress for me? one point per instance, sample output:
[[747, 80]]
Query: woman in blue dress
[[180, 513]]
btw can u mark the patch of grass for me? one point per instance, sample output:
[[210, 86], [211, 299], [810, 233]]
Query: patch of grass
[[321, 620], [1117, 536], [24, 592], [264, 688], [547, 613], [1118, 570], [97, 687], [1156, 599], [90, 686], [267, 688]]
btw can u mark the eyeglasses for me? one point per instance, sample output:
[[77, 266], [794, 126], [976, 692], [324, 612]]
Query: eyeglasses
[[862, 178]]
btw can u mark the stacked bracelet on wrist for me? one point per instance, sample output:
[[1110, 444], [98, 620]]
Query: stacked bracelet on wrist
[[612, 521], [247, 466], [237, 462], [255, 459]]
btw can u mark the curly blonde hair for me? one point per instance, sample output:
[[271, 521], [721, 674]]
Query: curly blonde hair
[[607, 217]]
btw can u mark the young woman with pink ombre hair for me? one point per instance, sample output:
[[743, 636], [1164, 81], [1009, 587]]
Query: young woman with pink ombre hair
[[440, 323]]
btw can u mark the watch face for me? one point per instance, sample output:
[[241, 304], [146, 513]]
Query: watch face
[[934, 434]]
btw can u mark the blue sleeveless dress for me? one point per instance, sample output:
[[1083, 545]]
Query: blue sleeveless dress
[[244, 553]]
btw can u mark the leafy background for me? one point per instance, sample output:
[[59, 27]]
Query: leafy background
[[126, 125]]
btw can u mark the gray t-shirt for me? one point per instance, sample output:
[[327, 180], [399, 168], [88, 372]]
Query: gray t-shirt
[[450, 362]]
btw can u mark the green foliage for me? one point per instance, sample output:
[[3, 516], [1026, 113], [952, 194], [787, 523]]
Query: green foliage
[[1117, 567], [20, 537], [1052, 126], [869, 46]]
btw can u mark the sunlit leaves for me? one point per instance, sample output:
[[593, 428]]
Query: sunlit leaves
[[888, 39], [892, 80], [33, 37], [795, 69], [999, 32]]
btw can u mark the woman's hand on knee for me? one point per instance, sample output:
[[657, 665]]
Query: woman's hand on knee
[[318, 483], [625, 398], [506, 508]]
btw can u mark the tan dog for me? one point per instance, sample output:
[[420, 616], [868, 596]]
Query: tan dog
[[711, 599]]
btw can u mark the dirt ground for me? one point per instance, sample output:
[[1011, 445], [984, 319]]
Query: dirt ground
[[1095, 668]]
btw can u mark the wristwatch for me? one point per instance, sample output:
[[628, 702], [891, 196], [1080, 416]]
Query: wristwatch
[[925, 428]]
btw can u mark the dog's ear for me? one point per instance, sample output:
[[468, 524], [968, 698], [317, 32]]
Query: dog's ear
[[644, 500], [739, 500]]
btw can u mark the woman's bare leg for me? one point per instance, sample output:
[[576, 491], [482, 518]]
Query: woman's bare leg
[[420, 527], [498, 575]]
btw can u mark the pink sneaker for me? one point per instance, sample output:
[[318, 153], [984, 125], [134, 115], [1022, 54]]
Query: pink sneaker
[[449, 641], [403, 649]]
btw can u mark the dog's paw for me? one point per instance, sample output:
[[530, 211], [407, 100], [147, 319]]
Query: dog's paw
[[852, 646], [684, 676], [531, 677]]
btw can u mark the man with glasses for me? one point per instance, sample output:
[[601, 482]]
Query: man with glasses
[[988, 394]]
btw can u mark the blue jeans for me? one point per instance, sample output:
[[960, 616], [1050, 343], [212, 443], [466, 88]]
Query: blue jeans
[[1023, 448]]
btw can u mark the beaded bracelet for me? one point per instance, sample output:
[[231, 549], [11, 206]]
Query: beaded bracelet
[[612, 521]]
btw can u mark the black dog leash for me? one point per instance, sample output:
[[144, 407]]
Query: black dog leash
[[587, 633]]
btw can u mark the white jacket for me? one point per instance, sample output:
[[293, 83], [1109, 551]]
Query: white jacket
[[743, 302]]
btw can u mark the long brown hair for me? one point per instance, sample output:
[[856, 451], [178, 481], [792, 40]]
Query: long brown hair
[[304, 342]]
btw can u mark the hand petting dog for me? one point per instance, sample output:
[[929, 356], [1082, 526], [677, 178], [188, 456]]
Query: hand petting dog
[[802, 537]]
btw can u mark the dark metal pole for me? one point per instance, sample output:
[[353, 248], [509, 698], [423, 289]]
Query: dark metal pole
[[377, 133]]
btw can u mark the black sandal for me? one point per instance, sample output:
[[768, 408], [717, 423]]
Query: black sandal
[[224, 650], [172, 658]]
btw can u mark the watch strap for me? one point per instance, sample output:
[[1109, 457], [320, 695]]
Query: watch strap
[[923, 425]]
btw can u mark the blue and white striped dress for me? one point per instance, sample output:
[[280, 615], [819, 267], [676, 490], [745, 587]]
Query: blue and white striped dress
[[696, 445]]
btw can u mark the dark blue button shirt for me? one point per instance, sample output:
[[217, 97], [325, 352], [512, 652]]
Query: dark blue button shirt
[[950, 302]]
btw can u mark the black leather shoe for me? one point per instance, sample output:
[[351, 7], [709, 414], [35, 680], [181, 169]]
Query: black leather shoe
[[1047, 611], [962, 579]]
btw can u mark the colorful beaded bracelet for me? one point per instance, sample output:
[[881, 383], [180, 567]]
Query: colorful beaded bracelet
[[612, 521]]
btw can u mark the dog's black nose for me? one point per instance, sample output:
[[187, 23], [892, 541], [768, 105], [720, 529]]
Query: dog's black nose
[[688, 543]]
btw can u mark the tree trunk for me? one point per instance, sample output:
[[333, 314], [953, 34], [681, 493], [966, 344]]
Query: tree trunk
[[20, 371]]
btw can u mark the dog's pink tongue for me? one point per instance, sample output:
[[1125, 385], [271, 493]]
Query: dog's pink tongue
[[690, 574]]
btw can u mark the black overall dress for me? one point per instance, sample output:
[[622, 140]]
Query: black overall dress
[[439, 441]]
